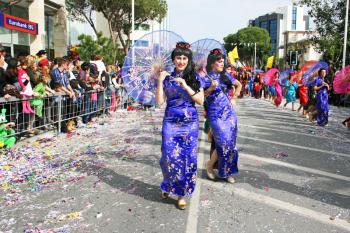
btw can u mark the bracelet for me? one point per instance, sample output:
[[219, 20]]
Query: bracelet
[[194, 94]]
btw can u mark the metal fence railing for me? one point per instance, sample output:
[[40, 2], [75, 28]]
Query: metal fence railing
[[53, 112]]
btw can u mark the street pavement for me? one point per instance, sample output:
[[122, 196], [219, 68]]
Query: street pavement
[[294, 177]]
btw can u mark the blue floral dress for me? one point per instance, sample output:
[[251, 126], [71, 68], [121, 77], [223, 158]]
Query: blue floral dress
[[321, 103], [223, 122], [179, 140]]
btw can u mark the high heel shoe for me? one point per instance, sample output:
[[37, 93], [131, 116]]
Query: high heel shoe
[[210, 173], [164, 195], [181, 204], [231, 179]]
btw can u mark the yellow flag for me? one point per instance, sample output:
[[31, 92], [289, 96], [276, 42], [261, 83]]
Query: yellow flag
[[270, 62], [233, 55]]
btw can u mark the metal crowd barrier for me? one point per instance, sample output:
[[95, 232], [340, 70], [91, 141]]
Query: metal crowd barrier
[[56, 111]]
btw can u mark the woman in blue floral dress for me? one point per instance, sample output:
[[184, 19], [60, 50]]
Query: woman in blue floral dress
[[321, 87], [181, 90], [222, 117]]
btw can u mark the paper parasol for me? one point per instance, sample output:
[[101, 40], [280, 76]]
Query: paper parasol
[[311, 74], [341, 82], [146, 58], [284, 75], [297, 77], [201, 49], [269, 78]]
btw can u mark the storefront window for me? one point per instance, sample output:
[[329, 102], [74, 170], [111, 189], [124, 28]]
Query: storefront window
[[19, 40], [5, 35], [49, 21]]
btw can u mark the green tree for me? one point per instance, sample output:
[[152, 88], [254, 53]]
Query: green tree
[[102, 46], [81, 10], [250, 35], [7, 5], [118, 15], [329, 19]]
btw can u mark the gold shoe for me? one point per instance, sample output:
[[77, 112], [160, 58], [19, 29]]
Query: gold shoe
[[164, 195], [231, 179], [181, 204]]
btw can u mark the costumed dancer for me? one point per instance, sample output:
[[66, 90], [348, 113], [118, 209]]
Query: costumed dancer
[[278, 88], [181, 90], [222, 117], [321, 89], [291, 91], [303, 97]]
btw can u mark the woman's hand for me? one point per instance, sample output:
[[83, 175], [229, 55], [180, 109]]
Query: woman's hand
[[234, 101], [162, 76], [181, 82], [214, 84], [7, 96], [325, 85], [10, 124]]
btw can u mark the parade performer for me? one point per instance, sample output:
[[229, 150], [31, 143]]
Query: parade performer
[[278, 88], [291, 91], [181, 90], [321, 88], [222, 117], [303, 98]]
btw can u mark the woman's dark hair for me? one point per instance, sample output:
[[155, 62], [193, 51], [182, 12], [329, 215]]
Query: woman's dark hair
[[189, 74], [216, 55], [85, 66], [11, 71], [319, 72]]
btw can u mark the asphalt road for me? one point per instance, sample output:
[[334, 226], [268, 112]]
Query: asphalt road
[[294, 177]]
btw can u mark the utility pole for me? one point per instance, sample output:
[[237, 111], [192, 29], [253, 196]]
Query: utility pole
[[346, 31], [133, 30]]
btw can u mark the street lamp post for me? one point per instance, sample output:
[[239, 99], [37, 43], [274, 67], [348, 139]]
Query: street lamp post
[[346, 31], [255, 56], [250, 44], [133, 29]]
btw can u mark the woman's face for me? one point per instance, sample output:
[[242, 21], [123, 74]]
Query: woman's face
[[70, 66], [323, 73], [218, 66], [229, 70], [181, 62]]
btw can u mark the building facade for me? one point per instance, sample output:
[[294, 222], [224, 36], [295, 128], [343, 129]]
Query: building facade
[[289, 18], [47, 18]]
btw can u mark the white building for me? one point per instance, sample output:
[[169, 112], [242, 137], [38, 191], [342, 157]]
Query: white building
[[288, 25]]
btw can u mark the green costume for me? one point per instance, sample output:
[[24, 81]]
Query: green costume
[[38, 103], [7, 142]]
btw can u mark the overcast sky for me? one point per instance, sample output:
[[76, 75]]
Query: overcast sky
[[198, 19]]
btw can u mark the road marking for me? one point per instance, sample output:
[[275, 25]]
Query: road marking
[[284, 131], [324, 218], [283, 123], [306, 125], [296, 167], [296, 146], [192, 219]]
